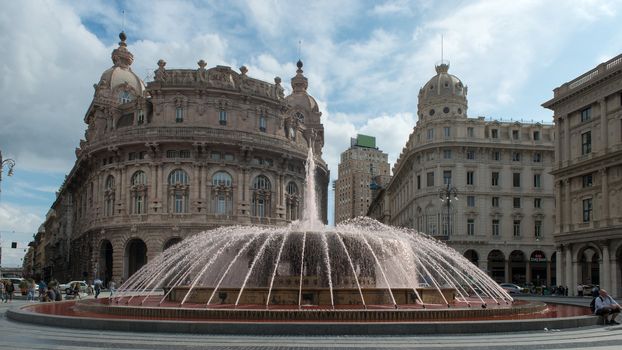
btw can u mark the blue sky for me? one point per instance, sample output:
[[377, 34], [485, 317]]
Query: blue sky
[[365, 61]]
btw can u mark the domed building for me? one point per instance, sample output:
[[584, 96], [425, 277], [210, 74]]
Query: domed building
[[483, 186], [191, 150]]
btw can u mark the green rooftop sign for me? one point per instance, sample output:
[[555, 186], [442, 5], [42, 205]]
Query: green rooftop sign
[[365, 141]]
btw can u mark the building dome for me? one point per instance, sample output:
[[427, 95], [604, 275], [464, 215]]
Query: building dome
[[120, 79], [299, 96], [443, 95]]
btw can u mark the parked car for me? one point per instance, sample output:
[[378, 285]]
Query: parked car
[[67, 287], [511, 288]]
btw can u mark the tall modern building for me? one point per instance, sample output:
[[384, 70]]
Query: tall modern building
[[483, 186], [363, 168], [191, 150], [588, 177]]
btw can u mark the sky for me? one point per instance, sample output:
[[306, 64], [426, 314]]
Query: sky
[[365, 61]]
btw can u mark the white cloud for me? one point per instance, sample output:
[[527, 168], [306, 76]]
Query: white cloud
[[17, 224]]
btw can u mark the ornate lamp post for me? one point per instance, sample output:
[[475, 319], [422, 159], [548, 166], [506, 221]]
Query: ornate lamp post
[[9, 163], [446, 195]]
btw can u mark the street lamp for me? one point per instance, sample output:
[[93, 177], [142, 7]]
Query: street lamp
[[446, 195], [10, 163]]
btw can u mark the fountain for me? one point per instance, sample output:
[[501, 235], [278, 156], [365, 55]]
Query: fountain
[[250, 279]]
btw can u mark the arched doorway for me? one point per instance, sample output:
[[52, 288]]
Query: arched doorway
[[105, 261], [496, 265], [171, 242], [472, 256], [589, 267], [135, 256], [537, 262], [518, 267]]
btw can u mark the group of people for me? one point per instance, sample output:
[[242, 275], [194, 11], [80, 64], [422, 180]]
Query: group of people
[[6, 291]]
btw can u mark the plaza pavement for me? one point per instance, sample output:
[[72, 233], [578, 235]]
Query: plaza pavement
[[14, 335]]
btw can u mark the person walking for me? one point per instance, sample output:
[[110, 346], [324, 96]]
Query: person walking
[[10, 289], [98, 287], [112, 287], [605, 306], [2, 292]]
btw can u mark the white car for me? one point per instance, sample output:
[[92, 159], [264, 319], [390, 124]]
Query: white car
[[511, 288], [68, 287]]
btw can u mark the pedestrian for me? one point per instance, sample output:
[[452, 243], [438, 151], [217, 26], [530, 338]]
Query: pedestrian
[[42, 290], [32, 287], [579, 290], [605, 306], [98, 287], [2, 292], [10, 289], [112, 287]]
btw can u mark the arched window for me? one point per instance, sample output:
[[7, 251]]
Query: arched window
[[139, 192], [124, 96], [261, 197], [109, 196], [300, 117], [292, 200], [178, 191], [222, 193]]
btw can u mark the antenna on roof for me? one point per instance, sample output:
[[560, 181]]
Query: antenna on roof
[[299, 48], [441, 47], [123, 22]]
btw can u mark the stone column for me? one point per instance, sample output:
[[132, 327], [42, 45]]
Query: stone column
[[615, 272], [528, 276], [152, 183], [604, 124], [507, 271], [559, 266], [605, 271], [604, 216], [548, 273], [568, 204], [194, 187], [558, 146], [575, 275], [559, 224], [568, 275], [567, 154]]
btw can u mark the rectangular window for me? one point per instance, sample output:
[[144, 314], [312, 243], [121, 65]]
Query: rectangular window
[[516, 201], [471, 201], [179, 203], [516, 156], [171, 153], [447, 132], [587, 180], [537, 157], [418, 182], [470, 132], [447, 154], [496, 155], [537, 180], [587, 210], [215, 156], [222, 117], [537, 202], [430, 179], [515, 134], [470, 179], [430, 134], [495, 228], [536, 135], [494, 133], [471, 227], [179, 115], [586, 142], [262, 123], [495, 202], [516, 228], [131, 156], [447, 177], [516, 179], [470, 154], [495, 178], [229, 156], [586, 114], [537, 229], [184, 153], [140, 116]]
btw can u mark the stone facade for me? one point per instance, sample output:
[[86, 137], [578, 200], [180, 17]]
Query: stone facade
[[482, 186], [588, 177], [362, 170], [191, 150]]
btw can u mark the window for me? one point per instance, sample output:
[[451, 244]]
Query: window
[[470, 154], [229, 156], [261, 197], [215, 156], [221, 178], [138, 199], [536, 135], [537, 157], [222, 117], [140, 116], [515, 134], [418, 182], [131, 156], [430, 179], [496, 155], [446, 177], [516, 156], [516, 228], [171, 153], [470, 178], [587, 180], [516, 179], [109, 196], [516, 202], [471, 201], [221, 182], [178, 177], [587, 210], [179, 115], [292, 201], [537, 180], [537, 203], [471, 227], [262, 123], [447, 132], [537, 229], [495, 178], [139, 178], [124, 97], [586, 114], [184, 153], [446, 154], [495, 228], [470, 132], [300, 117], [430, 134], [494, 133], [495, 202], [586, 142]]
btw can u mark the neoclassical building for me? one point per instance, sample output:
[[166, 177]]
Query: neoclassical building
[[191, 150], [588, 177], [482, 186]]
